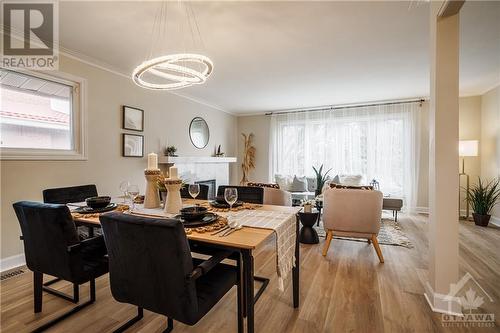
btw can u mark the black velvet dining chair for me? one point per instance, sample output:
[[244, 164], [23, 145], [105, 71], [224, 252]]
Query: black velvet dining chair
[[65, 195], [52, 247], [248, 194], [203, 195], [152, 268]]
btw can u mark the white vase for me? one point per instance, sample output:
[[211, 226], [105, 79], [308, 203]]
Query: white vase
[[173, 202]]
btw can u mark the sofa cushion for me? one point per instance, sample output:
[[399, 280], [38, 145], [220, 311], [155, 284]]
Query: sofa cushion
[[299, 184]]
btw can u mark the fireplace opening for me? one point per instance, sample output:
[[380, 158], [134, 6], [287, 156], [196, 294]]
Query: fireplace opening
[[211, 187]]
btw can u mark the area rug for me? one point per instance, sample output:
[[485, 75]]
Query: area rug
[[390, 233]]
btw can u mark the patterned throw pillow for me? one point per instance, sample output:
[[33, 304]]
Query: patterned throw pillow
[[333, 185], [271, 185], [299, 184]]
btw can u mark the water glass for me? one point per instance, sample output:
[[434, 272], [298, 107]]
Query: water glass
[[133, 192], [231, 196]]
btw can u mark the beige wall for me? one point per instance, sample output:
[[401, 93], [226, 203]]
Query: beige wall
[[490, 139], [470, 128], [167, 117]]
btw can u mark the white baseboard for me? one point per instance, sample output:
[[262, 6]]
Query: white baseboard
[[422, 210], [442, 303], [12, 262], [495, 221]]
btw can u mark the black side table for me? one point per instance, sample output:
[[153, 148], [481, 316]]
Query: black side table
[[307, 233]]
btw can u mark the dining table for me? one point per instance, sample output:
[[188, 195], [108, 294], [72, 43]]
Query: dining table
[[243, 242]]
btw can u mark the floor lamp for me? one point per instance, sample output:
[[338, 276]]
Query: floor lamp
[[467, 148]]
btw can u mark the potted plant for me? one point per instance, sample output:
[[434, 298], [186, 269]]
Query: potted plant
[[483, 197], [170, 151], [320, 178]]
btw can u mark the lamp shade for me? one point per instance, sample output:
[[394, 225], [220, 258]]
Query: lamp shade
[[468, 147]]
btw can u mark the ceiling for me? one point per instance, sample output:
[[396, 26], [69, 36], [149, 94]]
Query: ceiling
[[286, 55]]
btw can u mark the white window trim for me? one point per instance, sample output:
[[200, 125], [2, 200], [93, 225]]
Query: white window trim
[[79, 123]]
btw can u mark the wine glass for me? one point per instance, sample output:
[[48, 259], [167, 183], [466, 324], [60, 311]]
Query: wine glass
[[194, 190], [123, 188], [231, 195], [133, 192]]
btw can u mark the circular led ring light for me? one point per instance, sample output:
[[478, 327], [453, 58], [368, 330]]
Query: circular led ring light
[[188, 76]]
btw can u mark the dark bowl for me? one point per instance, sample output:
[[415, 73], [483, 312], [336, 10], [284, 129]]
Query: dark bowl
[[98, 202], [193, 213]]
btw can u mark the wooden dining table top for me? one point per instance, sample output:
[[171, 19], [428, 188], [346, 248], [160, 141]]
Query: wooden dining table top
[[245, 238]]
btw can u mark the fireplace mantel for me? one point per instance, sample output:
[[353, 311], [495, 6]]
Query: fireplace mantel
[[193, 169], [194, 159]]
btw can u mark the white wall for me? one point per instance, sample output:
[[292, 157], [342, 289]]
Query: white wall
[[167, 117], [470, 128], [490, 139]]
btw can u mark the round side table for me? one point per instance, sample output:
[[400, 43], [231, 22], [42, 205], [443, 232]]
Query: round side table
[[307, 233]]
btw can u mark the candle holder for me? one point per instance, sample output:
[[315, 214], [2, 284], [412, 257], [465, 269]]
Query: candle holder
[[173, 202], [151, 197]]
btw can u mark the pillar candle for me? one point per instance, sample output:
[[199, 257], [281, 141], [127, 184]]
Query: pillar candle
[[152, 161], [173, 173]]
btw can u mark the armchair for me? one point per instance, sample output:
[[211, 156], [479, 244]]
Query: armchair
[[352, 213]]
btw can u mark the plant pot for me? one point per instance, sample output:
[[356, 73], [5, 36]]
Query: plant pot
[[481, 220]]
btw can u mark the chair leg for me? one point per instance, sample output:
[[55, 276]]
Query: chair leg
[[76, 294], [123, 328], [70, 312], [369, 241], [170, 326], [377, 248], [239, 297], [37, 291], [329, 237]]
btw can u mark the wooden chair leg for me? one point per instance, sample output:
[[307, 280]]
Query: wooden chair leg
[[377, 248], [329, 237]]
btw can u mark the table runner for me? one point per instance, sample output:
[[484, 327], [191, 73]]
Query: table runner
[[283, 225]]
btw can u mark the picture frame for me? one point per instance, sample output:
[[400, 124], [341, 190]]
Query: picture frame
[[133, 118], [132, 145]]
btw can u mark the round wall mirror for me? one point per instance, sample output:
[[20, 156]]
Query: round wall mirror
[[199, 132]]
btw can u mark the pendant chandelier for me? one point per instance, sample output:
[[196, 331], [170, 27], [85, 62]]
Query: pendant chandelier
[[173, 71]]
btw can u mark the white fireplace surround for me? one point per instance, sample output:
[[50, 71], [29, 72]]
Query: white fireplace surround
[[199, 168]]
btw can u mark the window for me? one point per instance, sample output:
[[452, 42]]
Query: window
[[41, 117], [376, 142]]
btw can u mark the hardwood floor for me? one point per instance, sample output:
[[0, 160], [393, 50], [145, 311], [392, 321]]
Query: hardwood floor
[[348, 290]]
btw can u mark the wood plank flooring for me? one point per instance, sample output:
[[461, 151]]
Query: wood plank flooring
[[348, 291]]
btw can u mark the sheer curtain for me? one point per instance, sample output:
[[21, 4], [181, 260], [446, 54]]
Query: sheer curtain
[[379, 142]]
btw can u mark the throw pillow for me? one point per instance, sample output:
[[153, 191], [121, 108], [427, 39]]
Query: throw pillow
[[270, 185], [283, 182], [299, 184], [336, 179], [351, 180], [312, 184]]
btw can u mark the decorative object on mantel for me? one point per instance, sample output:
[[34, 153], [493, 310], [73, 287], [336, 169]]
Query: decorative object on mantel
[[218, 153], [133, 145], [133, 118], [320, 178], [151, 197], [170, 151], [248, 157], [173, 202], [173, 71], [483, 197]]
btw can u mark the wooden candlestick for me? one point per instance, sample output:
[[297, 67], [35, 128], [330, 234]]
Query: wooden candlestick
[[151, 197]]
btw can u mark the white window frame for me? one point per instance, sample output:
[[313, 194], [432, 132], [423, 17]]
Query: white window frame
[[79, 123]]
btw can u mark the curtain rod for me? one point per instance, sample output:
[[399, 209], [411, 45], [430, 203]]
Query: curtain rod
[[419, 100]]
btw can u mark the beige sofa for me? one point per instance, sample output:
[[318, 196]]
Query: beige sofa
[[352, 213]]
